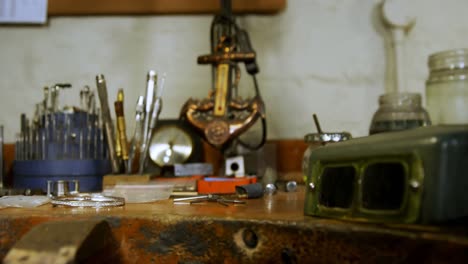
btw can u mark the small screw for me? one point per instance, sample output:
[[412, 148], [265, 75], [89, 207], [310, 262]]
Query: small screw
[[270, 189], [414, 185], [291, 186], [312, 186]]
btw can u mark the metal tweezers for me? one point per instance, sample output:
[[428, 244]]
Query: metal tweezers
[[209, 198]]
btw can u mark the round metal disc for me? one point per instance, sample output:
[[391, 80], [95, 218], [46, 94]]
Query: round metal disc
[[170, 145]]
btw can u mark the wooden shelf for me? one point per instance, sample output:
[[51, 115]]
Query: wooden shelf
[[154, 7]]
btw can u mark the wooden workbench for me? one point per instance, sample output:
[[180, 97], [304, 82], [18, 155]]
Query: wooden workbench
[[163, 232]]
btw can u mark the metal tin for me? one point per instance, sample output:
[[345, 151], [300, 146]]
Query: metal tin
[[412, 176]]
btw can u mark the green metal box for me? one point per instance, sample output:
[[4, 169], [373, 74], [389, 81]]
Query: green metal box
[[412, 176]]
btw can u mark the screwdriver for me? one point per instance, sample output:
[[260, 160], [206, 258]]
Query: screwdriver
[[135, 144], [107, 120], [157, 106], [119, 112], [151, 83]]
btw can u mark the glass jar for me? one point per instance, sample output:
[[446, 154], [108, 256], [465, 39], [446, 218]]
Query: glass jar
[[399, 111], [447, 87]]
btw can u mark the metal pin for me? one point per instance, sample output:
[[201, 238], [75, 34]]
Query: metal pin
[[91, 103], [66, 136], [82, 101], [59, 143], [96, 134], [75, 147], [49, 188], [46, 98], [23, 125], [54, 99], [30, 144], [37, 144], [195, 198], [44, 146], [24, 144], [88, 140], [46, 124], [101, 139], [53, 117], [17, 146], [81, 151]]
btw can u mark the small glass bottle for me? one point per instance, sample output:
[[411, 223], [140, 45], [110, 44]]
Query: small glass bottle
[[447, 87], [399, 111]]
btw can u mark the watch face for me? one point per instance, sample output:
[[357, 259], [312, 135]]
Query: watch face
[[170, 144]]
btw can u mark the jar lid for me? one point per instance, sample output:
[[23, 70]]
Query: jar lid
[[447, 60], [400, 99], [447, 76]]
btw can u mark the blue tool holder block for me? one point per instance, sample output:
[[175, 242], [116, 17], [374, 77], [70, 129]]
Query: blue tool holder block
[[64, 161], [34, 174]]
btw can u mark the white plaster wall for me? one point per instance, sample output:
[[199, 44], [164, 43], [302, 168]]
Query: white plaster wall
[[322, 56]]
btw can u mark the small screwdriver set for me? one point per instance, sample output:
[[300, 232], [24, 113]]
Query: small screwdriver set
[[81, 143], [59, 143]]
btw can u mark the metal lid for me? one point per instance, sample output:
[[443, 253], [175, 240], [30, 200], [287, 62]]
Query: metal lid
[[457, 74], [400, 99], [448, 60]]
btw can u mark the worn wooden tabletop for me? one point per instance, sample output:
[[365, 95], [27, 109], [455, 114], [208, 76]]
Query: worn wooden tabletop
[[161, 229]]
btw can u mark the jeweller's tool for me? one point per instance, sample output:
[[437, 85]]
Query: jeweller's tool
[[121, 140], [209, 198], [106, 116], [61, 188], [119, 111], [57, 144], [157, 106], [135, 144], [150, 87], [54, 95]]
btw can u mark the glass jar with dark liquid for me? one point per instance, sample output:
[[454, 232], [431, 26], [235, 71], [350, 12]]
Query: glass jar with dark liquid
[[399, 111]]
